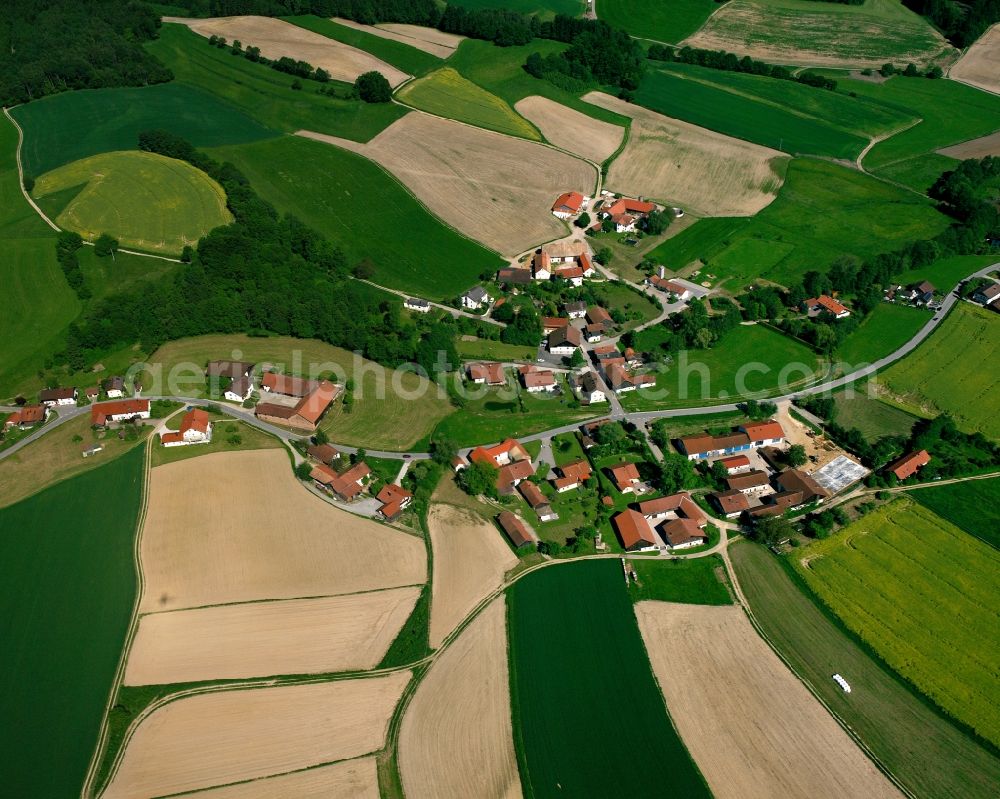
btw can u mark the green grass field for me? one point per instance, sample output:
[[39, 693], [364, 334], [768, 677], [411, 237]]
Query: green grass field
[[106, 120], [543, 8], [66, 605], [494, 350], [397, 54], [901, 578], [687, 382], [831, 34], [382, 418], [972, 505], [948, 272], [365, 212], [873, 418], [823, 211], [265, 94], [697, 581], [713, 106], [228, 435], [585, 704], [145, 200], [446, 93], [653, 19], [883, 331], [948, 372], [883, 712]]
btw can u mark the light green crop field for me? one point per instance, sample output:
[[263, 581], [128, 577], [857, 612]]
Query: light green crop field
[[824, 34], [949, 372], [712, 106], [948, 272], [656, 20], [67, 599], [397, 54], [265, 94], [383, 417], [823, 211], [746, 360], [365, 212], [924, 595], [882, 332], [446, 93], [107, 120], [494, 350], [972, 506], [885, 713], [873, 418], [145, 200]]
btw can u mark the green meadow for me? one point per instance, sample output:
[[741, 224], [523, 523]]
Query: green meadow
[[823, 211], [397, 54], [584, 699], [66, 605], [885, 713], [106, 120], [656, 20], [901, 578], [265, 94], [366, 212], [872, 417], [697, 581], [972, 506], [882, 332]]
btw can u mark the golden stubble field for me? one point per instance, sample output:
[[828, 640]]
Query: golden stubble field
[[258, 639], [753, 729], [679, 163], [980, 66], [236, 527], [215, 739], [493, 188], [456, 739], [352, 779], [470, 560], [567, 128], [430, 40], [277, 38]]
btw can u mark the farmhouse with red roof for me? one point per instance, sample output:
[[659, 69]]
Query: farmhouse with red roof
[[568, 204], [195, 429]]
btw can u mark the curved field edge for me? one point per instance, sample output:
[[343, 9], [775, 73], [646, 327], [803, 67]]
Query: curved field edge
[[814, 643]]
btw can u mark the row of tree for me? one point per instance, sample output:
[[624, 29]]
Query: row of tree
[[298, 69], [730, 62]]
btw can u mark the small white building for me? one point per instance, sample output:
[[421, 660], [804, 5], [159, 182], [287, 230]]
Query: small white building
[[576, 310], [475, 298], [239, 390], [564, 341], [52, 397], [589, 390], [196, 428], [416, 304]]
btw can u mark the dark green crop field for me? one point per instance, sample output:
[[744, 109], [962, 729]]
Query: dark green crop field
[[589, 720], [543, 8], [745, 117], [73, 125], [65, 605], [973, 506], [364, 211], [658, 20]]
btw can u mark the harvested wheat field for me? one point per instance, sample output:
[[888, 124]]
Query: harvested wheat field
[[456, 740], [495, 189], [352, 779], [681, 164], [429, 40], [218, 738], [237, 526], [277, 38], [751, 726], [571, 130], [258, 639], [980, 66], [974, 148], [470, 560]]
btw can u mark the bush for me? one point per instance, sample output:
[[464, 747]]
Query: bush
[[372, 87]]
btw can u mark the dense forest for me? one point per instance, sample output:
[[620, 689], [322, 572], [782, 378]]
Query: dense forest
[[50, 46], [261, 274], [963, 22]]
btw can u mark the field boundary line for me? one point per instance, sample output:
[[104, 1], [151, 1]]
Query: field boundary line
[[88, 785], [20, 173], [876, 761]]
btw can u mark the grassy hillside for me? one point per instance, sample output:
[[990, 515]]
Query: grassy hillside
[[371, 216], [264, 94], [883, 712], [576, 669], [147, 201], [397, 54], [949, 372], [973, 506], [66, 601], [900, 578], [105, 120], [654, 19], [823, 211], [872, 417], [447, 94]]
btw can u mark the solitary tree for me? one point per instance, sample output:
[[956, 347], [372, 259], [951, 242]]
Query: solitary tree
[[583, 220], [604, 256], [321, 75], [796, 455], [106, 244], [372, 87], [478, 478], [303, 470]]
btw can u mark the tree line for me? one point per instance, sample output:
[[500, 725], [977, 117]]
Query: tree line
[[961, 23], [51, 46], [730, 62]]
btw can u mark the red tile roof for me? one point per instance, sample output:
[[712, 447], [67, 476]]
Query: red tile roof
[[491, 372], [489, 455], [195, 419], [314, 405], [532, 494], [680, 504], [568, 272], [908, 465], [735, 462], [681, 531], [55, 394], [99, 412], [634, 530], [624, 475], [580, 469], [516, 530], [597, 315], [27, 414], [732, 501], [554, 322], [287, 384], [539, 378], [627, 204], [761, 431], [571, 201], [393, 497], [828, 304], [512, 472]]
